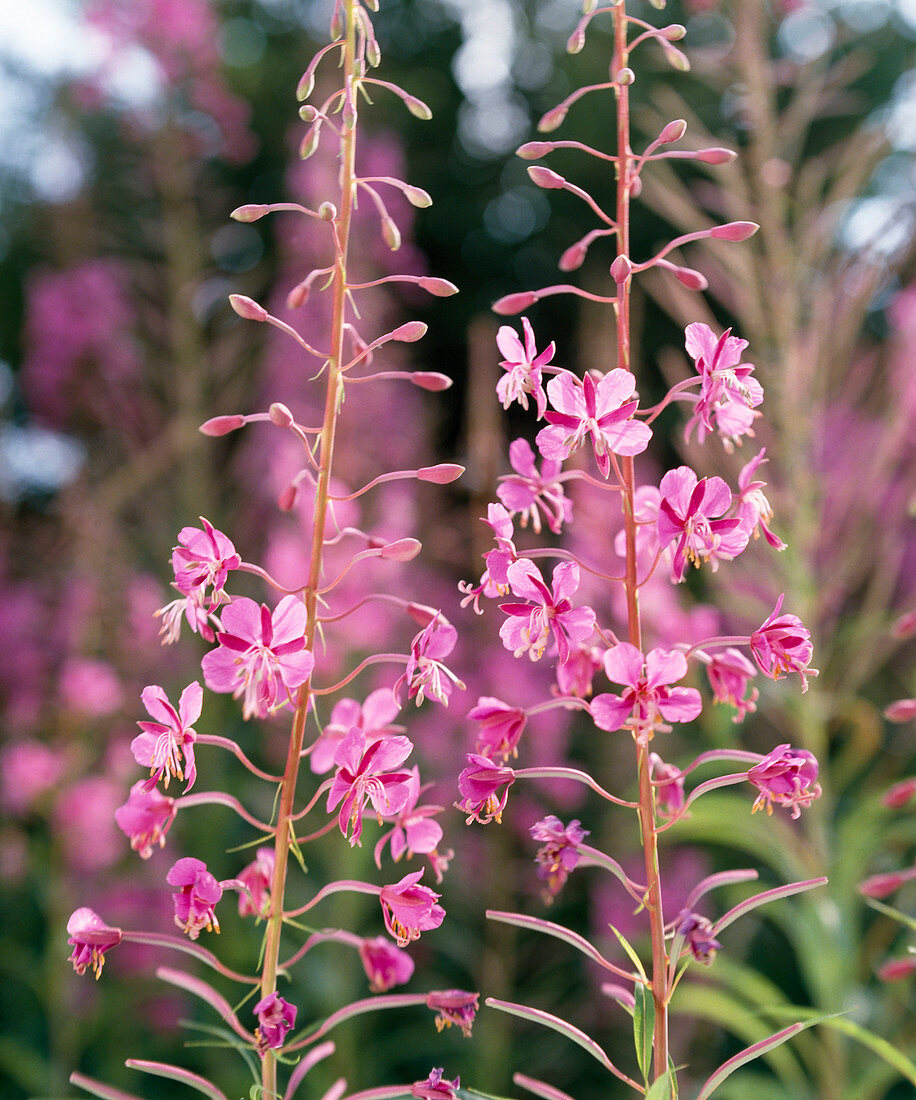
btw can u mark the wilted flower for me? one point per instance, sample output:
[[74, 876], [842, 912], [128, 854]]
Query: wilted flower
[[90, 938], [668, 782], [729, 672], [500, 727], [786, 776], [697, 931], [276, 1018]]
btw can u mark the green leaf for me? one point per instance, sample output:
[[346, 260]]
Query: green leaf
[[176, 1073], [631, 953], [663, 1089], [889, 911], [23, 1065], [643, 1028]]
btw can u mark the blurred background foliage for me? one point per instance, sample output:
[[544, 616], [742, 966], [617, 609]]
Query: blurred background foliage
[[129, 131]]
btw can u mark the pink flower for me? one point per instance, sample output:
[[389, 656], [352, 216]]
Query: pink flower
[[90, 938], [454, 1006], [524, 366], [414, 830], [729, 672], [527, 493], [728, 394], [145, 818], [163, 743], [258, 877], [753, 507], [261, 655], [276, 1018], [785, 776], [90, 687], [436, 1087], [686, 516], [409, 909], [27, 770], [373, 718], [782, 644], [364, 775], [559, 852], [500, 728], [599, 409], [203, 561], [197, 894], [576, 675], [485, 789], [493, 581], [669, 786], [697, 931], [425, 674], [185, 608], [647, 697], [386, 965], [528, 627]]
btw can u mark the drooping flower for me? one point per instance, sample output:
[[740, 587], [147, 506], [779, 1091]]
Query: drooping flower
[[599, 409], [576, 675], [386, 965], [668, 782], [197, 894], [276, 1018], [164, 742], [414, 830], [454, 1006], [728, 392], [686, 517], [261, 656], [90, 938], [258, 877], [528, 492], [202, 561], [524, 365], [647, 697], [145, 818], [529, 627], [409, 909], [436, 1087], [729, 672], [782, 644], [697, 931], [485, 789], [364, 775], [559, 851], [754, 509], [425, 674], [374, 718], [493, 582], [500, 727], [787, 777]]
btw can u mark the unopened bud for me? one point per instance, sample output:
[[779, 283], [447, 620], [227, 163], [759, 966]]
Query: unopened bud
[[327, 211], [409, 332], [416, 196], [391, 234], [657, 4], [716, 156], [621, 270], [280, 415], [903, 710], [626, 77], [249, 213], [635, 187], [545, 177], [305, 85], [882, 886], [286, 501], [897, 796], [222, 425], [418, 108], [441, 288], [514, 303], [573, 257], [734, 231], [690, 278], [552, 119], [676, 58], [576, 40], [309, 143], [674, 32], [401, 550], [531, 150], [247, 308], [422, 614], [431, 380], [308, 113], [373, 54], [297, 297], [442, 474], [674, 131]]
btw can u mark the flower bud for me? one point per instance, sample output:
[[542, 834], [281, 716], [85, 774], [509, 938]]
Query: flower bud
[[391, 234], [441, 474], [715, 156], [280, 415], [416, 196], [552, 119], [308, 113], [676, 58], [431, 380], [441, 288], [573, 257], [674, 32], [531, 150], [897, 796], [249, 213], [286, 501], [734, 231], [373, 54], [576, 40], [882, 886], [309, 143], [674, 131], [901, 710], [297, 296], [247, 308], [418, 108], [514, 303], [305, 85], [545, 177], [409, 332], [621, 270], [327, 211], [222, 425], [401, 550], [626, 77], [690, 278]]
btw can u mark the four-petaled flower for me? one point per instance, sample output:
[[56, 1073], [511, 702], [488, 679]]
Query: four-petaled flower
[[728, 392], [364, 775], [386, 965], [425, 674], [257, 876], [500, 727], [599, 409], [90, 938], [261, 655], [686, 517], [485, 787], [528, 492], [409, 909], [729, 672], [787, 777], [145, 818], [524, 365], [647, 698], [454, 1006], [436, 1087], [374, 718], [697, 931], [782, 644], [276, 1018], [201, 561], [163, 743], [529, 626], [197, 894], [414, 830], [559, 851]]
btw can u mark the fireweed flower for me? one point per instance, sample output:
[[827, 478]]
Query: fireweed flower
[[145, 818], [782, 644], [528, 492], [436, 1087], [261, 655], [386, 965], [528, 627], [559, 852], [425, 674], [414, 830], [257, 876], [647, 696], [409, 909], [163, 743], [787, 777], [374, 718], [493, 581], [686, 517], [90, 938], [364, 775], [485, 789], [669, 786], [576, 675], [500, 727], [697, 931], [729, 672], [276, 1018], [728, 394], [197, 894], [524, 365], [454, 1006], [599, 409], [202, 561], [753, 507]]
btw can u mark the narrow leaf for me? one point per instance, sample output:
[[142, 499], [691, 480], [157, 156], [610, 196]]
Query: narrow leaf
[[761, 899], [549, 928], [634, 958], [206, 993], [663, 1089], [176, 1073], [314, 1056], [643, 1028], [539, 1088], [96, 1088]]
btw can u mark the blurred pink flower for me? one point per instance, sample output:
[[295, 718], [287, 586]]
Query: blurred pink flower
[[90, 687], [729, 672], [500, 727], [83, 818], [27, 770], [374, 718], [386, 965]]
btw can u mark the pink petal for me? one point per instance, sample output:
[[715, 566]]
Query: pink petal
[[609, 712], [623, 664]]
